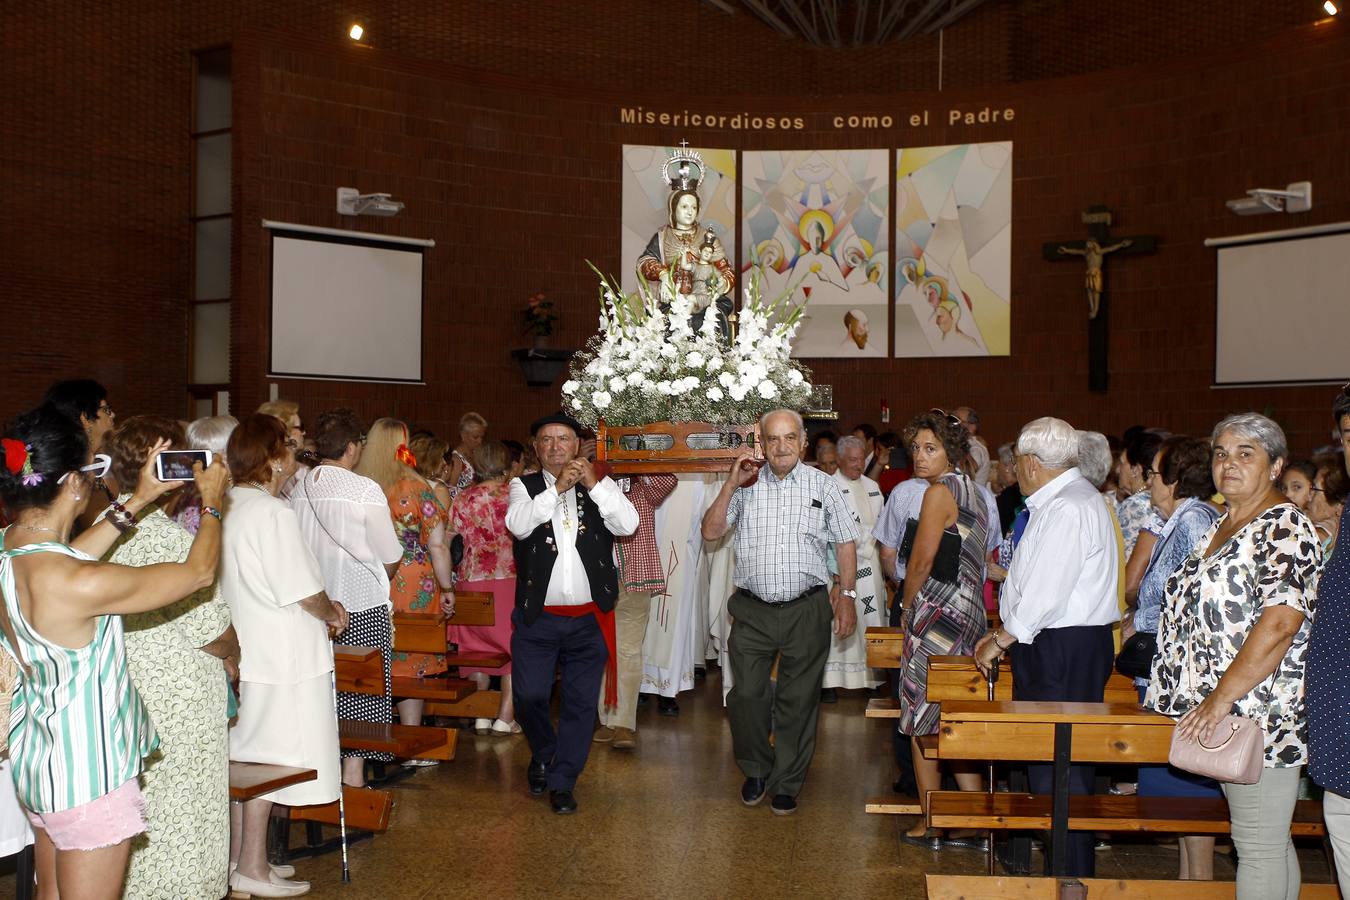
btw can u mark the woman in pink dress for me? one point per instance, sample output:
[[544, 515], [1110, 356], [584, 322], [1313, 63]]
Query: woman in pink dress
[[480, 518]]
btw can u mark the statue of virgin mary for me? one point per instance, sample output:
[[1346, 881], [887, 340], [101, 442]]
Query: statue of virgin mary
[[695, 258]]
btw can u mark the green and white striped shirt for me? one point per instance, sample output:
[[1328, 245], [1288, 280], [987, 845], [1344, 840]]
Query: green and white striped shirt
[[78, 729]]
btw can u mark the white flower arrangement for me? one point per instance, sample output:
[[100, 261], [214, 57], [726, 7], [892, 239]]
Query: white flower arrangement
[[648, 364]]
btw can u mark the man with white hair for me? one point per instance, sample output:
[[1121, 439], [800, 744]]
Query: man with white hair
[[846, 666], [784, 513], [1059, 599]]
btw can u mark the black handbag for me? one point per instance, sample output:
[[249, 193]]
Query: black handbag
[[456, 551], [1136, 655], [947, 562]]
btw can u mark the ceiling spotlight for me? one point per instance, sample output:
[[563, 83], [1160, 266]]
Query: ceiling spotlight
[[1330, 8], [351, 202], [358, 30]]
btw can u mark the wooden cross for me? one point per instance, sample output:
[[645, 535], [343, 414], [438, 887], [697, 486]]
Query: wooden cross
[[1094, 251]]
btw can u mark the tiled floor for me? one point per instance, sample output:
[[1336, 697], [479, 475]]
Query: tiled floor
[[666, 822]]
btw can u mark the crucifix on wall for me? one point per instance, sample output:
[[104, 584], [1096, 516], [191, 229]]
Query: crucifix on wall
[[1093, 251]]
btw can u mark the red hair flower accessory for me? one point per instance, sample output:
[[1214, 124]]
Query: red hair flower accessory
[[19, 461], [405, 456]]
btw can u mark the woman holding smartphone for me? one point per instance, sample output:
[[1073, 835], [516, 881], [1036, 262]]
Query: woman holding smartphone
[[62, 624]]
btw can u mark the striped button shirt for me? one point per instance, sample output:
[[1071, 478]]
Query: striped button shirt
[[783, 527], [78, 729]]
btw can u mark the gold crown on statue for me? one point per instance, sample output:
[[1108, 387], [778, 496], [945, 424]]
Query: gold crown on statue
[[684, 169]]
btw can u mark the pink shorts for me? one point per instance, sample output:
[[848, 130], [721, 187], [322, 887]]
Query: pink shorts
[[109, 820]]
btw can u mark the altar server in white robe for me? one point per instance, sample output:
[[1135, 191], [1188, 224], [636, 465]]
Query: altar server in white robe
[[677, 629], [846, 666]]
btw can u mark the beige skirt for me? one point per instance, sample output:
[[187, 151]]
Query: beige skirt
[[290, 725]]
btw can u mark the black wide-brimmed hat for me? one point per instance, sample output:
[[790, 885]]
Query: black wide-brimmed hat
[[558, 418]]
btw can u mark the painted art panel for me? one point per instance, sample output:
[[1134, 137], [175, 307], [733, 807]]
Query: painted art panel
[[646, 194], [953, 250], [815, 223]]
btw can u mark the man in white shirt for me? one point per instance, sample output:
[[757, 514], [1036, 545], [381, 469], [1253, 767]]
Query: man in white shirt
[[1059, 599], [979, 450], [564, 520]]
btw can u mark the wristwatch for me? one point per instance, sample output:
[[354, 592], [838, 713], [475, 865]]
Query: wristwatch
[[850, 593]]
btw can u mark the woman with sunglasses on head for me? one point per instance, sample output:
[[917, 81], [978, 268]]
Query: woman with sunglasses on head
[[79, 729]]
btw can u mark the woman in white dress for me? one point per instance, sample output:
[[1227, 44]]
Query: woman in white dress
[[284, 619]]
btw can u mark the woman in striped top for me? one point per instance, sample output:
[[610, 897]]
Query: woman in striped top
[[79, 730]]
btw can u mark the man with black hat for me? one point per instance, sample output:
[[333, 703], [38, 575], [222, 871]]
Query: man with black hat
[[564, 520]]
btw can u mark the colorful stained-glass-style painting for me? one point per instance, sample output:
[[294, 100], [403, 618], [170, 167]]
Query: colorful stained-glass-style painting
[[953, 250]]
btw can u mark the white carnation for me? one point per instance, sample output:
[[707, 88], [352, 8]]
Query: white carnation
[[726, 379], [738, 391], [794, 376], [694, 360], [617, 384], [668, 351], [713, 393], [636, 378], [601, 399], [714, 363], [768, 390], [570, 387], [576, 403]]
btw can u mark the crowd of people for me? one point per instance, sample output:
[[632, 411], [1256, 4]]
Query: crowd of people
[[154, 630]]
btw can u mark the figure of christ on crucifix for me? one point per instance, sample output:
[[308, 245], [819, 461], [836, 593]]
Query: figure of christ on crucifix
[[1094, 250], [1093, 253]]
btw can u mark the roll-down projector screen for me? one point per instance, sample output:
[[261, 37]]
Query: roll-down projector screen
[[1283, 310], [346, 308]]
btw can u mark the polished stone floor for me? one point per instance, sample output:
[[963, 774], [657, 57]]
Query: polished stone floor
[[666, 822]]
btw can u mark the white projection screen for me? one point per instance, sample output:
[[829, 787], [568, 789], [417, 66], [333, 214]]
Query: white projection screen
[[1283, 310], [346, 307]]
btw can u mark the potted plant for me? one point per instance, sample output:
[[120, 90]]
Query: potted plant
[[539, 364]]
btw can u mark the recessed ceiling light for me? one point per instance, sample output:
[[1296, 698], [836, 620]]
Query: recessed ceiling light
[[357, 30], [1330, 8]]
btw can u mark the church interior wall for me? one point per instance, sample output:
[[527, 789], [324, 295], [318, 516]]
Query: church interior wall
[[502, 135]]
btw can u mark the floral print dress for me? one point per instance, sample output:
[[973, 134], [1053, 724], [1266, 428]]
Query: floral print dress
[[416, 513], [1212, 604]]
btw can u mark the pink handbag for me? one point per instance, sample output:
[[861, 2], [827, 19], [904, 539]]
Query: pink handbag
[[1236, 757]]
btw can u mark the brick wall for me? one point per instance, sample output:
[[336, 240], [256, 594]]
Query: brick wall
[[501, 132]]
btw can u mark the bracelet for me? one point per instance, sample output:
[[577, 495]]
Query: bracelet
[[1000, 646], [120, 517], [212, 511]]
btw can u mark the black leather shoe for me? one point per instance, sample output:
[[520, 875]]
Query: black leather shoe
[[667, 706], [783, 805], [829, 695], [752, 791], [537, 776], [564, 804]]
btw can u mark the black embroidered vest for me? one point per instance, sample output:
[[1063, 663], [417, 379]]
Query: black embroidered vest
[[536, 554]]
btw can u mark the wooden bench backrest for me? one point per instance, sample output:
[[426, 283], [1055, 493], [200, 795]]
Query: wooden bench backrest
[[419, 632], [1025, 731], [359, 670], [956, 678], [473, 608]]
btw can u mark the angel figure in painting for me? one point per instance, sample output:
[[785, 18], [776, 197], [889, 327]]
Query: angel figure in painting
[[690, 256]]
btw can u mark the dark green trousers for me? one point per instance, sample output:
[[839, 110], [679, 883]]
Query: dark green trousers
[[800, 631]]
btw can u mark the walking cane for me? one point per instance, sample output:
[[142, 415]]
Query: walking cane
[[992, 679], [342, 788]]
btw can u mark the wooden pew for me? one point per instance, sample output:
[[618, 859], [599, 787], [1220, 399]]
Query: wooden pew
[[367, 810], [424, 633], [249, 779], [360, 670], [1012, 887], [1061, 733]]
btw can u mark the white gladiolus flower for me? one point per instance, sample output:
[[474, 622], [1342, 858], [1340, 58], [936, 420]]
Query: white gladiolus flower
[[713, 393], [601, 399], [570, 387], [768, 390]]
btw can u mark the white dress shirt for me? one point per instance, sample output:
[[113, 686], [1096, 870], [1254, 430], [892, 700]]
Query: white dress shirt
[[1066, 567], [568, 585]]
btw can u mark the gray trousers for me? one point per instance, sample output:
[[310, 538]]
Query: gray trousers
[[630, 629], [798, 634], [1336, 811], [1261, 814]]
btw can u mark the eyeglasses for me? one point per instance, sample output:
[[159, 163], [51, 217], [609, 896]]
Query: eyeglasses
[[104, 408], [1149, 473], [98, 468]]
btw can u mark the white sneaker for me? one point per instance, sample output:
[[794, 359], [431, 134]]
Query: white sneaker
[[504, 728], [482, 726], [243, 887], [420, 763]]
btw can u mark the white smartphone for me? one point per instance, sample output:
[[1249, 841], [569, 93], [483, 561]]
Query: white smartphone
[[176, 465]]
